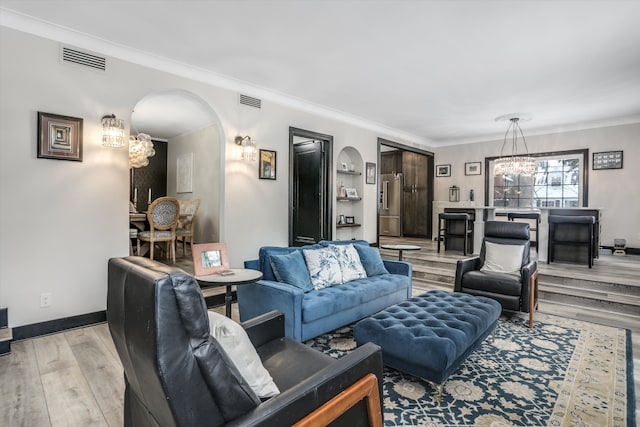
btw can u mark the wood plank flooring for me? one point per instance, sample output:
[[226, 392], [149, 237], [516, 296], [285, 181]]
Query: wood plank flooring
[[74, 378]]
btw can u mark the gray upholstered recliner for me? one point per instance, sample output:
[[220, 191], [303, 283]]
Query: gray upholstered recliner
[[176, 374], [515, 292]]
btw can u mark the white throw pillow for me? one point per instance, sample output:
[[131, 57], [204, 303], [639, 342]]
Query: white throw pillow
[[323, 266], [235, 342], [502, 258], [349, 260]]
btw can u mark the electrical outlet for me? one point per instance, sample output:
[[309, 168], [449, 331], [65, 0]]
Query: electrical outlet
[[45, 300]]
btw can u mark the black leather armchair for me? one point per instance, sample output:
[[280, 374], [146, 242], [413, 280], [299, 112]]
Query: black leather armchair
[[176, 374], [514, 292]]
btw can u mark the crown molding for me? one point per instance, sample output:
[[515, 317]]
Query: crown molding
[[48, 30]]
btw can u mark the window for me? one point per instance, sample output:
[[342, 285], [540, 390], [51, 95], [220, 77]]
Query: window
[[560, 181]]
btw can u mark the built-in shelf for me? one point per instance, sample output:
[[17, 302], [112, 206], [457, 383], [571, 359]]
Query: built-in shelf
[[349, 172], [347, 225], [348, 199]]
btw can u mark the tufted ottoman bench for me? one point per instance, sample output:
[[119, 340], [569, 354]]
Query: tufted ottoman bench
[[430, 335]]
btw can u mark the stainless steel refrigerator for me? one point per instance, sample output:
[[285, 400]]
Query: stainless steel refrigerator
[[391, 205]]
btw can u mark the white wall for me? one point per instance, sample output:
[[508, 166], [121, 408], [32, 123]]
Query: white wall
[[206, 176], [61, 221], [616, 191]]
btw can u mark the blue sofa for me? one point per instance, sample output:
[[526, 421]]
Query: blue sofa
[[315, 312]]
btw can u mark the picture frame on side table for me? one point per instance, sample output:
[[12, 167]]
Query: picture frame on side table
[[267, 164], [210, 258], [473, 168], [59, 137], [443, 170], [371, 173]]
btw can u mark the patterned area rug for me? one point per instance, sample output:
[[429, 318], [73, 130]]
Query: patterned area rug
[[562, 372]]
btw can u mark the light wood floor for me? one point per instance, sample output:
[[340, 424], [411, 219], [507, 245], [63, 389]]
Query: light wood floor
[[74, 378]]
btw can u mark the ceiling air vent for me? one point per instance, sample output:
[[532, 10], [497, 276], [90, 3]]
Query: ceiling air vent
[[84, 59], [250, 101]]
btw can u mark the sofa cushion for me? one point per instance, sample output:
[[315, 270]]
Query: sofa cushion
[[349, 260], [323, 266], [371, 260], [264, 264], [290, 268], [502, 258], [335, 299], [235, 342]]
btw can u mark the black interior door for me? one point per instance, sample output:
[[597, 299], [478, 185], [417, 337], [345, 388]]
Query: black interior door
[[309, 208]]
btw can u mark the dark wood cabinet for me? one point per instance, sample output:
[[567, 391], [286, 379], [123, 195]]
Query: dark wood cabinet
[[391, 162], [415, 217]]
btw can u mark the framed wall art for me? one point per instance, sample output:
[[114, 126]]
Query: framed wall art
[[184, 174], [443, 170], [371, 173], [473, 168], [210, 258], [267, 164], [59, 137], [607, 160]]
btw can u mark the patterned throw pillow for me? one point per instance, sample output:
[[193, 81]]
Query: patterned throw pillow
[[350, 265], [323, 266]]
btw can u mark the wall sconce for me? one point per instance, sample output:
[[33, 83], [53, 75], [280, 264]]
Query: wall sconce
[[249, 148], [140, 149], [112, 132]]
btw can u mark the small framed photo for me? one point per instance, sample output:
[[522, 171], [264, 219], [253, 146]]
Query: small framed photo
[[352, 193], [59, 137], [210, 258], [350, 220], [371, 173], [473, 168], [443, 170], [607, 160], [267, 164]]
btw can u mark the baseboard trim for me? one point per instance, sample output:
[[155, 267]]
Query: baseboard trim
[[58, 325]]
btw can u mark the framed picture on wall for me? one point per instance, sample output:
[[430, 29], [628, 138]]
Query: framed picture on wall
[[371, 173], [607, 160], [267, 164], [443, 170], [59, 137], [473, 168]]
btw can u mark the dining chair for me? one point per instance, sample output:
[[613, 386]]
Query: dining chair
[[163, 216], [186, 222]]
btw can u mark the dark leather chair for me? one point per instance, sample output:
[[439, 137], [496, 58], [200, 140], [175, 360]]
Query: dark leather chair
[[176, 374], [513, 292]]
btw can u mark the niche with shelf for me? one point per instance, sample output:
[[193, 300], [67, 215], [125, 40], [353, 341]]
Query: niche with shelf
[[349, 194]]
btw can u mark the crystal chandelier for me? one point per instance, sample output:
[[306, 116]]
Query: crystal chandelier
[[514, 164], [140, 149]]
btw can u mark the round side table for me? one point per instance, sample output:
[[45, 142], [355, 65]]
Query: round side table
[[240, 276], [401, 248]]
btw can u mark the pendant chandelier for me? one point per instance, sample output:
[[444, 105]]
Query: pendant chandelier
[[140, 149], [514, 164]]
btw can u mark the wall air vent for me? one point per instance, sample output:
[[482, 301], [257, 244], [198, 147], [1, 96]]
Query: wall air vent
[[74, 56], [250, 101]]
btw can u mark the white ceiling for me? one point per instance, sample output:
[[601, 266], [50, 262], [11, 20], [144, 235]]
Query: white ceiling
[[439, 72]]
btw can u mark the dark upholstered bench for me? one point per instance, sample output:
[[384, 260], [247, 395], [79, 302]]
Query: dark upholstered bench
[[430, 335]]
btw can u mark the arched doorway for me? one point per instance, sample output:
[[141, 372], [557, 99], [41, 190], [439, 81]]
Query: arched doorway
[[193, 138]]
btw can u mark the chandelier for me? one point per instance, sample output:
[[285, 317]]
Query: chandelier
[[140, 149], [514, 164]]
